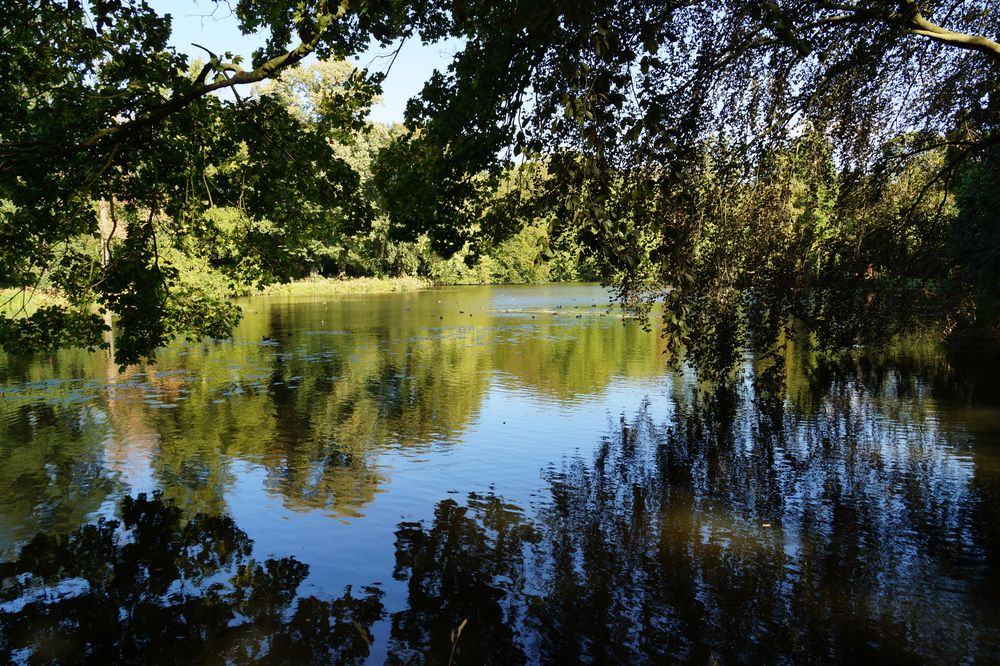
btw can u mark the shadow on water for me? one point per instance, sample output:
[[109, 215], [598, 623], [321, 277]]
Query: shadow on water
[[825, 527]]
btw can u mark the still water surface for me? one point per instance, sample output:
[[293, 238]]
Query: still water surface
[[517, 458]]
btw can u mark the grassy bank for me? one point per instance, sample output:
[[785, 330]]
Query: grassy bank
[[23, 302], [363, 285]]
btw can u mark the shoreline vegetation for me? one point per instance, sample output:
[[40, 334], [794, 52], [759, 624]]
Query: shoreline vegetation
[[18, 302], [15, 301], [354, 285]]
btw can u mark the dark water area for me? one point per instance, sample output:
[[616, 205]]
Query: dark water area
[[493, 475]]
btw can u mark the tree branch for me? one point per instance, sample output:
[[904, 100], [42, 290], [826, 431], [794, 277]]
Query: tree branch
[[310, 36], [923, 27], [914, 23], [175, 104]]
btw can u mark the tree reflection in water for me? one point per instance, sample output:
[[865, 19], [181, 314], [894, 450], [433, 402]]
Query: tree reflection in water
[[727, 534], [739, 530], [155, 588], [468, 566]]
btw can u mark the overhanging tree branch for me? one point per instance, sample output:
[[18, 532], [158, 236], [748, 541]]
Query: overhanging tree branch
[[310, 34], [264, 71], [923, 27], [912, 22]]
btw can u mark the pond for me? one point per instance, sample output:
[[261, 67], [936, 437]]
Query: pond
[[496, 475]]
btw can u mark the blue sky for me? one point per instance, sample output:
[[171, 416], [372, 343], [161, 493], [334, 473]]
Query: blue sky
[[213, 26]]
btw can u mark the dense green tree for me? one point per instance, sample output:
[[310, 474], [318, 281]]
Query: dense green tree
[[974, 239], [510, 240], [100, 114]]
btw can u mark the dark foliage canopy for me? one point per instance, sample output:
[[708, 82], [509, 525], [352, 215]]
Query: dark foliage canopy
[[746, 162]]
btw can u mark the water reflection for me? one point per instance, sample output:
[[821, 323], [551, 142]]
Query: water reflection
[[722, 534], [458, 461], [170, 588], [467, 569], [54, 472], [312, 392]]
